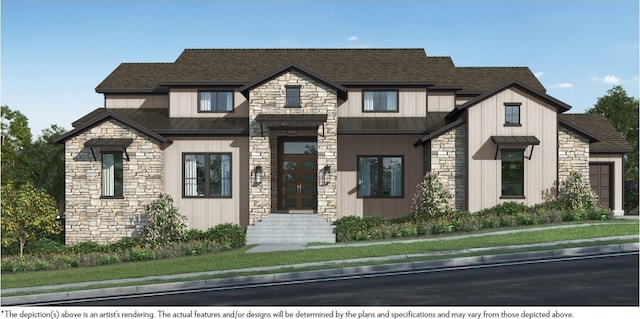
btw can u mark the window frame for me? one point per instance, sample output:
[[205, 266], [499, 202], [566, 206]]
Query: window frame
[[508, 118], [215, 110], [116, 194], [397, 94], [502, 175], [207, 177], [286, 96], [380, 176]]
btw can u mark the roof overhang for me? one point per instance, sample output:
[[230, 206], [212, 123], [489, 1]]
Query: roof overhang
[[291, 121], [514, 142]]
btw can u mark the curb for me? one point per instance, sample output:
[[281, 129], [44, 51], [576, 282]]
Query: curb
[[319, 274]]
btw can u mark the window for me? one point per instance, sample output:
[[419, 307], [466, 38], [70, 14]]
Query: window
[[512, 114], [112, 175], [380, 176], [293, 96], [207, 175], [380, 101], [215, 101], [512, 173]]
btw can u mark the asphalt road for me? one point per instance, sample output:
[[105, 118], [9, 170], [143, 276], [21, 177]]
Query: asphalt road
[[583, 281]]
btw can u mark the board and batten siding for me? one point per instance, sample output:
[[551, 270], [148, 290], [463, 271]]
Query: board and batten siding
[[136, 101], [618, 184], [441, 101], [352, 146], [412, 103], [486, 119], [203, 213], [184, 103]]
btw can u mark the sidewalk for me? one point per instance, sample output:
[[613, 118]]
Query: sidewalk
[[337, 268]]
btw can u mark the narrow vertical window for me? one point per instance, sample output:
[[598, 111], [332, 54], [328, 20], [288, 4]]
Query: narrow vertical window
[[512, 173], [512, 114], [293, 96], [215, 101], [112, 179]]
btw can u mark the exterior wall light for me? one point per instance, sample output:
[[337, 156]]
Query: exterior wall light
[[325, 178], [257, 175]]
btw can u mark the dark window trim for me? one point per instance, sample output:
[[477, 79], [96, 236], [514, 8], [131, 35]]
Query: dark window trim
[[233, 100], [397, 110], [115, 196], [524, 183], [508, 104], [207, 160], [286, 89], [380, 175]]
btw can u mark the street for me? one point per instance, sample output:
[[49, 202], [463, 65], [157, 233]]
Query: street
[[581, 281]]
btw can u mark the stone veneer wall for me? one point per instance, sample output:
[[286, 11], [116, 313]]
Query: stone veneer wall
[[448, 162], [90, 218], [573, 155], [269, 98]]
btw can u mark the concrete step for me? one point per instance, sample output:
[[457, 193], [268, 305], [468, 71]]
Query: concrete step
[[291, 228]]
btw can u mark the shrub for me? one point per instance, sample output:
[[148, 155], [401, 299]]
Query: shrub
[[125, 244], [111, 258], [227, 235], [163, 223], [431, 198], [87, 247], [138, 253], [506, 208], [599, 214], [350, 228], [575, 194]]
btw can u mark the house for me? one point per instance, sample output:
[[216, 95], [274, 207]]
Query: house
[[239, 135]]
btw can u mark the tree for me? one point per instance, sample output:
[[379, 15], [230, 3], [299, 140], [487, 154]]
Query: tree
[[622, 111], [431, 198], [16, 135], [27, 213]]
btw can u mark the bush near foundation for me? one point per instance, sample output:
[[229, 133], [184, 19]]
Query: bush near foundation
[[508, 214], [46, 254]]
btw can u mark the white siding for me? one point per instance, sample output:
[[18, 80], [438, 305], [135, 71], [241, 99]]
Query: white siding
[[487, 119], [151, 101], [184, 103], [441, 101], [203, 213]]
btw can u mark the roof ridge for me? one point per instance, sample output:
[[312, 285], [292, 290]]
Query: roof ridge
[[300, 49]]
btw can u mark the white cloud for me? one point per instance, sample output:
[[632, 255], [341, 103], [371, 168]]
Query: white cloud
[[353, 38], [607, 79], [538, 74], [565, 85]]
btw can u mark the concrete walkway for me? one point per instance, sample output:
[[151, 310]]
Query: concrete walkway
[[337, 267]]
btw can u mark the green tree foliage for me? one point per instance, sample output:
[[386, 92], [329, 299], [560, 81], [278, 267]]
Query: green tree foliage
[[163, 224], [16, 135], [27, 213], [622, 111]]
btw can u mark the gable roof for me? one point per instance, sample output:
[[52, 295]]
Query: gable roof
[[609, 140], [561, 106]]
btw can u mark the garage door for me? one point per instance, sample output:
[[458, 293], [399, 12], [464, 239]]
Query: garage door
[[600, 178]]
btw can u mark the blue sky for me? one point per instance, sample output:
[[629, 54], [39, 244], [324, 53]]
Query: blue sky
[[54, 53]]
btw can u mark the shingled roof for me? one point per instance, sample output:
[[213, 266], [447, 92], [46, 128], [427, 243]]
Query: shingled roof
[[609, 140], [237, 67]]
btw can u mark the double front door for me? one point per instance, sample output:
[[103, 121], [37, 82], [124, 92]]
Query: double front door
[[298, 174]]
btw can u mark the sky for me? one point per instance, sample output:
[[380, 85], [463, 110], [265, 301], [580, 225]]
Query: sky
[[54, 53]]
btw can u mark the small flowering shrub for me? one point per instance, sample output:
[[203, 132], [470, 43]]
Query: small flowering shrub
[[576, 194], [431, 198], [163, 223]]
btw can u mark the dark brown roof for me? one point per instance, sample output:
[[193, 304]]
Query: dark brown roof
[[391, 125], [348, 67], [515, 140], [609, 140]]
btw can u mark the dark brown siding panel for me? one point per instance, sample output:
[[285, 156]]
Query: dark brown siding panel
[[601, 178]]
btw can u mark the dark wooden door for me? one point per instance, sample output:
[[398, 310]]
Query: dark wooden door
[[600, 177], [297, 182]]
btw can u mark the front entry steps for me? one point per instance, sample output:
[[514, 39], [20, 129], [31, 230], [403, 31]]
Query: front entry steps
[[291, 228]]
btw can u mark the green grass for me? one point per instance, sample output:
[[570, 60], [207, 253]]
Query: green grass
[[240, 259]]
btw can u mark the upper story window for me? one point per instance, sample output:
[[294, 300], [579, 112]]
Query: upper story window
[[380, 101], [512, 114], [293, 96], [215, 101], [112, 179]]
